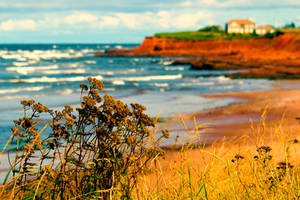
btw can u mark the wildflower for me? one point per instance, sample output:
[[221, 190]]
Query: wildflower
[[137, 106], [166, 133], [69, 121], [28, 122], [294, 141], [264, 149], [40, 108], [284, 165], [89, 101], [27, 103], [237, 157], [84, 86], [68, 109]]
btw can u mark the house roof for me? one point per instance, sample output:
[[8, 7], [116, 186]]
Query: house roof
[[241, 21]]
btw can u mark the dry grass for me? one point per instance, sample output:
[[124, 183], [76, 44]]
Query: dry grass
[[263, 165]]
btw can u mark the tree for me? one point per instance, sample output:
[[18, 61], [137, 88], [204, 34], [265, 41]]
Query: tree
[[213, 28]]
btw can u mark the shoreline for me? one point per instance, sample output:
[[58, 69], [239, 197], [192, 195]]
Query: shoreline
[[235, 119], [273, 58]]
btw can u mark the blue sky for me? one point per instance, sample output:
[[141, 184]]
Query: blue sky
[[128, 21]]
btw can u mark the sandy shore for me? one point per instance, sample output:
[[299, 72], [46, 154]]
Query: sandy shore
[[283, 102]]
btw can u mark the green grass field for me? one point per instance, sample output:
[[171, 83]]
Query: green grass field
[[197, 35], [290, 30]]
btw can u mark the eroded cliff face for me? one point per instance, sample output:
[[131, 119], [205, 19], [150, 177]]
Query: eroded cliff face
[[277, 57], [282, 46]]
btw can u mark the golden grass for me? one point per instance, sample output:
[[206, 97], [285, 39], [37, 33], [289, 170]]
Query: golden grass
[[264, 165]]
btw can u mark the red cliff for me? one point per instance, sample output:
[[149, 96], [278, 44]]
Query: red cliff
[[262, 57]]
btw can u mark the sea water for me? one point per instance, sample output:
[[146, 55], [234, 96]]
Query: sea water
[[51, 74]]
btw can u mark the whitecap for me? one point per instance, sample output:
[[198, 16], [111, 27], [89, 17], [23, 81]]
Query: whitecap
[[20, 63], [73, 65], [90, 62], [159, 84], [76, 71], [118, 82], [44, 79], [221, 79], [27, 70], [65, 92], [196, 84], [174, 68], [15, 90], [164, 62], [149, 78], [118, 47], [109, 73]]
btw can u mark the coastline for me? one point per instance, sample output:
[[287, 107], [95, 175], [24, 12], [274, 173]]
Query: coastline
[[282, 104], [272, 58]]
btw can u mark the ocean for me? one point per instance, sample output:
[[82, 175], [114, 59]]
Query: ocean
[[51, 74]]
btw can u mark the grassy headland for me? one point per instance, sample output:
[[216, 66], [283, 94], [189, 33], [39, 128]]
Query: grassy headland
[[207, 35], [117, 158], [273, 55]]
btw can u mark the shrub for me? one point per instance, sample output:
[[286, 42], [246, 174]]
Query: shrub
[[213, 28], [96, 151]]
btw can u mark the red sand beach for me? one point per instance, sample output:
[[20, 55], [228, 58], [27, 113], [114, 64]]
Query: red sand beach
[[236, 119]]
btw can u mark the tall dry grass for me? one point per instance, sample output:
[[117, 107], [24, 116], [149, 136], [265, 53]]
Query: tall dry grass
[[108, 151]]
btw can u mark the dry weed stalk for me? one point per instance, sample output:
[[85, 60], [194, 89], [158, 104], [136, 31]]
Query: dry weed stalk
[[96, 153]]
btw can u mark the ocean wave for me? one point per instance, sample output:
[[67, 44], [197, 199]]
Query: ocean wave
[[150, 78], [196, 84], [118, 82], [45, 79], [222, 79], [76, 71], [110, 73], [16, 90], [37, 55], [74, 65], [174, 68], [118, 47], [165, 62], [27, 70], [90, 62], [159, 84], [65, 92], [17, 97]]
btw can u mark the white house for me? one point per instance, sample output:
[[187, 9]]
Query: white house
[[261, 30], [240, 26]]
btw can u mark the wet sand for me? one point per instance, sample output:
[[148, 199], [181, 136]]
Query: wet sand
[[282, 104]]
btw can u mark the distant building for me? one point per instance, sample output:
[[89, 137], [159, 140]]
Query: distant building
[[240, 26], [261, 30]]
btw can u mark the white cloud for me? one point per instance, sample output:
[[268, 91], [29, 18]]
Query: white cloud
[[239, 3], [109, 21], [191, 20], [164, 18], [161, 19], [11, 25], [130, 20], [148, 20], [78, 17]]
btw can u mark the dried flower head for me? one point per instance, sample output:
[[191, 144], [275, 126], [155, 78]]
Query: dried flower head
[[166, 133], [264, 149]]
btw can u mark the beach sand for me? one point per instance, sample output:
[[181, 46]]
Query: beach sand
[[282, 105]]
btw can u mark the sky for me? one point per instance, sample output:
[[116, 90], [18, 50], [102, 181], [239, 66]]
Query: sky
[[129, 21]]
